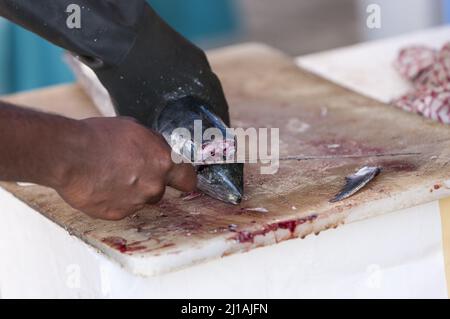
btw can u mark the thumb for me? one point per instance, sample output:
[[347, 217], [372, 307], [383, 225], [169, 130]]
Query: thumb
[[183, 177]]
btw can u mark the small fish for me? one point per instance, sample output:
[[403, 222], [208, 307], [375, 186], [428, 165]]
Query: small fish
[[354, 183]]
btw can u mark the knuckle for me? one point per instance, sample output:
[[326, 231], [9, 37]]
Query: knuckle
[[165, 162]]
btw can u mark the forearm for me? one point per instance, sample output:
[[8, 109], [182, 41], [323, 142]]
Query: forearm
[[36, 147], [105, 167]]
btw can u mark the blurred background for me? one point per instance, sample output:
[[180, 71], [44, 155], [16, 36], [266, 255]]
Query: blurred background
[[294, 26]]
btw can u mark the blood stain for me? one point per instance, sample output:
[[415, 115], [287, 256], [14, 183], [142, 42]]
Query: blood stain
[[121, 244], [398, 166], [291, 225]]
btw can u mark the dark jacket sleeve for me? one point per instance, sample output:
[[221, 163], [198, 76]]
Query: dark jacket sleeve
[[107, 31], [142, 62]]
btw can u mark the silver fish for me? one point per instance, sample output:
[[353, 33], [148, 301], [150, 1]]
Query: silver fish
[[221, 181], [354, 183]]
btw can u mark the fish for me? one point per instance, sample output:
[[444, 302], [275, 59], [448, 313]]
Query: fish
[[224, 181], [354, 183]]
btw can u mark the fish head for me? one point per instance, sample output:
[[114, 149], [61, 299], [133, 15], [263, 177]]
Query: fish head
[[202, 138]]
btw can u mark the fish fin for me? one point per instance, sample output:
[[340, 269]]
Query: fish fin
[[354, 183]]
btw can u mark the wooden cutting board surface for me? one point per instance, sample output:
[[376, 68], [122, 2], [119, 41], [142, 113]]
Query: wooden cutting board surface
[[315, 117]]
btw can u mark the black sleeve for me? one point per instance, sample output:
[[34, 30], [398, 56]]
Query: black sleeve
[[107, 31], [142, 62]]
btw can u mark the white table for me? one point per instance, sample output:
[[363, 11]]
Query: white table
[[371, 258]]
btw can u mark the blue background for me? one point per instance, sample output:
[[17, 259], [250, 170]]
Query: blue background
[[447, 10]]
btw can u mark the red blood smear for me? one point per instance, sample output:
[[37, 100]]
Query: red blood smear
[[121, 245], [291, 225], [133, 248], [244, 237], [398, 166]]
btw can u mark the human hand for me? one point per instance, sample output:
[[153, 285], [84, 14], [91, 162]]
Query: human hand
[[118, 167]]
